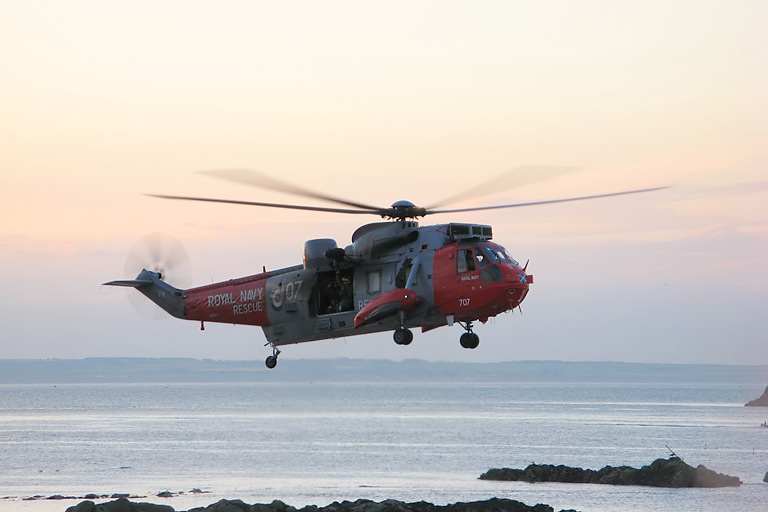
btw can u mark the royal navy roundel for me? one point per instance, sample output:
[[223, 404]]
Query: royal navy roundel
[[277, 298]]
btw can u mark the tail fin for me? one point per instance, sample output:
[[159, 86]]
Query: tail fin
[[158, 291]]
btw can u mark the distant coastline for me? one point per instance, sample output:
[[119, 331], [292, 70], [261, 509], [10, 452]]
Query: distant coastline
[[180, 370]]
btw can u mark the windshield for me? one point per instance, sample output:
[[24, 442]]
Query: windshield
[[498, 254]]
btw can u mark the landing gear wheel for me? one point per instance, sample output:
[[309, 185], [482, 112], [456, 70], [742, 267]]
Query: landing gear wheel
[[469, 340], [402, 336], [271, 361]]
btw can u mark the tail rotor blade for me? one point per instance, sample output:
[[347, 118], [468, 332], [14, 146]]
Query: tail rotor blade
[[157, 252], [161, 253]]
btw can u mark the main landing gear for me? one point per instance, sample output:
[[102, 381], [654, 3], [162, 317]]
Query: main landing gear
[[271, 361], [402, 335], [469, 339]]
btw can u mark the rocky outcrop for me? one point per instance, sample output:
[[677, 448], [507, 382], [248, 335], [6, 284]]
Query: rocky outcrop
[[119, 505], [672, 472], [492, 505], [759, 402]]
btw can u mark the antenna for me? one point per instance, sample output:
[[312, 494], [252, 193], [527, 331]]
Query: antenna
[[672, 453]]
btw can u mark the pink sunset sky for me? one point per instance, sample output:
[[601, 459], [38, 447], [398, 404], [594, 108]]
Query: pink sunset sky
[[101, 102]]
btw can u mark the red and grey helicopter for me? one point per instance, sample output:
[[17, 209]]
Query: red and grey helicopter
[[394, 276]]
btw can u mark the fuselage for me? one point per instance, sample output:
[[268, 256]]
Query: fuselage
[[455, 271]]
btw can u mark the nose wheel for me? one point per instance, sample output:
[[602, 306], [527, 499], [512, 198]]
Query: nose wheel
[[469, 339]]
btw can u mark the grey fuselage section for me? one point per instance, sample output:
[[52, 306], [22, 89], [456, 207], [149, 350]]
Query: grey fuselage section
[[319, 300]]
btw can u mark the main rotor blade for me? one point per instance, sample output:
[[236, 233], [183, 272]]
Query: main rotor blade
[[255, 179], [514, 178], [551, 201], [269, 205]]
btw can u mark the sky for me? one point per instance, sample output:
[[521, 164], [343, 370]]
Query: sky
[[102, 102]]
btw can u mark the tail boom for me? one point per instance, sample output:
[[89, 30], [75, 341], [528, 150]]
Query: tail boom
[[238, 301], [158, 291]]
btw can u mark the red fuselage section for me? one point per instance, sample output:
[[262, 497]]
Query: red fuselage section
[[475, 281], [238, 301]]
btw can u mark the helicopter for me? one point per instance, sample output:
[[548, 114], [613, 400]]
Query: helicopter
[[395, 275]]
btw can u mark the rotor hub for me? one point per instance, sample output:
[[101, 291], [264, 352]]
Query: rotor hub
[[404, 210]]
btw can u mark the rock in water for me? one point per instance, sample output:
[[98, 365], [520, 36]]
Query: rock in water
[[119, 505], [759, 402], [241, 506], [672, 472]]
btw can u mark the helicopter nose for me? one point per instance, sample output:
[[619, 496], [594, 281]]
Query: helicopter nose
[[518, 282]]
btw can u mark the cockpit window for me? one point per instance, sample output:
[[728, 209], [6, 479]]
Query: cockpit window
[[482, 258], [510, 258], [500, 255]]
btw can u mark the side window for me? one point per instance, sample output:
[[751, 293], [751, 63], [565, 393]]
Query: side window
[[374, 281], [465, 262]]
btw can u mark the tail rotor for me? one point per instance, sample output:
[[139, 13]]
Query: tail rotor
[[164, 255]]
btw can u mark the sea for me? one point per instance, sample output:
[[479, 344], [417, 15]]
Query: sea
[[315, 432]]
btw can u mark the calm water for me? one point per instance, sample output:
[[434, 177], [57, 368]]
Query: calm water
[[315, 443]]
